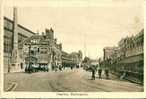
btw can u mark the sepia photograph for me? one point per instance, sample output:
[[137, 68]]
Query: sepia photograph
[[74, 48], [69, 98]]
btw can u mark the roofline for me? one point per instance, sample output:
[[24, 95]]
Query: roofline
[[5, 18], [26, 29], [114, 47]]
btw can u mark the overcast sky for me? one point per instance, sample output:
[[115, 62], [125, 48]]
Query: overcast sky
[[98, 26]]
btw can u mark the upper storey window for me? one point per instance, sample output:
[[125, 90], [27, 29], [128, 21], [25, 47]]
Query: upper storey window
[[34, 41]]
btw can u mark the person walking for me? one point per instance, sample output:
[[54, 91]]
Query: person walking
[[71, 67], [60, 67], [99, 72], [123, 76], [107, 73], [93, 70]]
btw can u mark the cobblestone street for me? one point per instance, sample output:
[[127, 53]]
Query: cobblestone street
[[76, 80]]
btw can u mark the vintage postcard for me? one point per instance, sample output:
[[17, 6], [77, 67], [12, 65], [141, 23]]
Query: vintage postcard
[[65, 49]]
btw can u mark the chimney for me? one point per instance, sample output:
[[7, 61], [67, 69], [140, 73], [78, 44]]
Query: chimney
[[47, 30], [52, 33]]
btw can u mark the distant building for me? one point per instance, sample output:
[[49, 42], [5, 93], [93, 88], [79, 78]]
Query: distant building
[[77, 57], [110, 52], [71, 59], [23, 33]]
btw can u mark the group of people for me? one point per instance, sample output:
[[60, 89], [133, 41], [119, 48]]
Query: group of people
[[31, 68], [57, 67], [61, 67], [94, 69]]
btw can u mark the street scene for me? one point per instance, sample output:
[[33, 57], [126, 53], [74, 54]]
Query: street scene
[[74, 49], [76, 80]]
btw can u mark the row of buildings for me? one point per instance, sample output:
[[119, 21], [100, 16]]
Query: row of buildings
[[23, 47], [127, 57], [43, 50]]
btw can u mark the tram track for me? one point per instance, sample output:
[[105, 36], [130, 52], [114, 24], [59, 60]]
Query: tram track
[[12, 87], [58, 84]]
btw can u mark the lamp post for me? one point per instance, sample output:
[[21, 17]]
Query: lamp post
[[53, 60], [8, 60], [9, 51], [29, 66]]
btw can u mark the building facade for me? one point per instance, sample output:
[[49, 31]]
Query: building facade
[[109, 52], [72, 59], [129, 57], [42, 50], [133, 49], [23, 33]]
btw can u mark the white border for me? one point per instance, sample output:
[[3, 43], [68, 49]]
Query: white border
[[1, 46], [61, 3]]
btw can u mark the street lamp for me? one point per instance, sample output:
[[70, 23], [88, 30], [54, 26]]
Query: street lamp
[[29, 66], [9, 51], [8, 59]]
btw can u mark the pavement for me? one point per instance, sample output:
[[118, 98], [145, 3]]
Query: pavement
[[76, 80]]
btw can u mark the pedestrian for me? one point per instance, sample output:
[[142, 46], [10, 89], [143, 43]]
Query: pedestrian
[[26, 68], [93, 70], [55, 69], [106, 73], [21, 65], [99, 72], [71, 67], [93, 73], [123, 75], [29, 68], [60, 67]]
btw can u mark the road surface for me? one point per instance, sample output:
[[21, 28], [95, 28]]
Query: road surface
[[76, 80]]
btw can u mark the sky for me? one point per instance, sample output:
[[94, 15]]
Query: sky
[[90, 27]]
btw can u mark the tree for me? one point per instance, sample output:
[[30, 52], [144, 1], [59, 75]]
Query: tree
[[137, 24]]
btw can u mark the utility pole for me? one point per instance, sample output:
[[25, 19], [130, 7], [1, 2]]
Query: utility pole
[[85, 48], [29, 67], [8, 59]]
